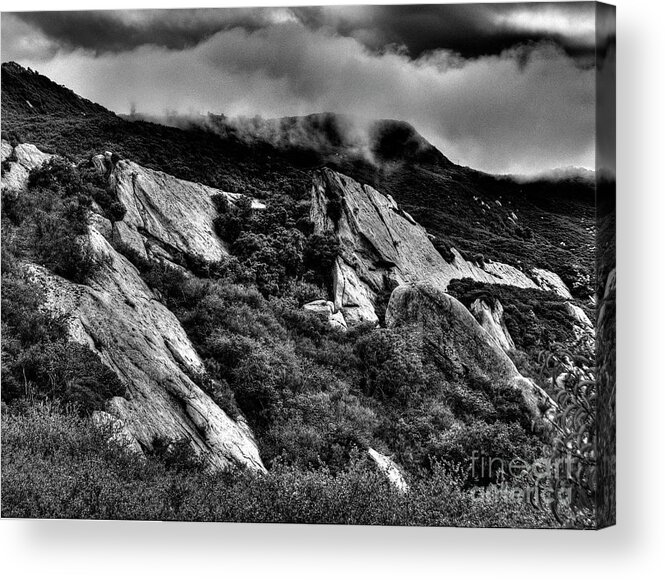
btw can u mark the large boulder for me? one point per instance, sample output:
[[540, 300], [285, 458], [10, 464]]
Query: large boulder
[[166, 218], [452, 337], [136, 336]]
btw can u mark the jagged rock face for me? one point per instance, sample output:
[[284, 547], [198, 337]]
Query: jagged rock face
[[22, 159], [172, 213], [490, 318], [382, 246], [450, 333], [118, 317]]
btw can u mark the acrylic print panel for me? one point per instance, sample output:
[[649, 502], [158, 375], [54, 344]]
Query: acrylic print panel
[[346, 264]]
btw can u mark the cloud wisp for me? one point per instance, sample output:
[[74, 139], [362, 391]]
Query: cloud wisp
[[524, 109]]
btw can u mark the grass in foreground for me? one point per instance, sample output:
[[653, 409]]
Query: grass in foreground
[[58, 465]]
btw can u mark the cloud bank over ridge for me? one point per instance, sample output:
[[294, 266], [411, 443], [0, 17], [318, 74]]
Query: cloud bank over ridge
[[501, 107]]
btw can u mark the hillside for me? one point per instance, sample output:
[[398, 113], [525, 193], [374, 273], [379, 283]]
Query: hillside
[[296, 323], [544, 224]]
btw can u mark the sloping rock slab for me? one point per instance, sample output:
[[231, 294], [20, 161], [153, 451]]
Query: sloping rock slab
[[118, 317], [381, 246], [450, 332]]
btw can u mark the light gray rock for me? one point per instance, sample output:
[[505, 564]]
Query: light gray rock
[[390, 469], [490, 318], [102, 163], [552, 282], [29, 156], [234, 198], [176, 213], [326, 309], [127, 236], [382, 246], [5, 149], [26, 157], [118, 317], [582, 324]]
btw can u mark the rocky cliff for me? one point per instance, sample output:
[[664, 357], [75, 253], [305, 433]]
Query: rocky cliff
[[451, 334], [166, 217], [382, 246], [119, 318]]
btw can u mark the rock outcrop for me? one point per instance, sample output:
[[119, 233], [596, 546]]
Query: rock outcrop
[[326, 310], [166, 217], [452, 335], [490, 318], [171, 213], [21, 160], [582, 324], [550, 281], [382, 246], [390, 469], [118, 317]]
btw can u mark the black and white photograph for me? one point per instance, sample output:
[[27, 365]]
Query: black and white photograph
[[346, 264]]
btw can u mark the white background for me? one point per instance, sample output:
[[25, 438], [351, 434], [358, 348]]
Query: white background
[[61, 549]]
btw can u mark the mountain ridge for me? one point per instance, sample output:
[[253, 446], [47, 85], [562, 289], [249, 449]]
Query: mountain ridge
[[541, 224]]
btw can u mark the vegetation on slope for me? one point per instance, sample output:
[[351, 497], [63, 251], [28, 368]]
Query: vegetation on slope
[[47, 225], [55, 465], [313, 395]]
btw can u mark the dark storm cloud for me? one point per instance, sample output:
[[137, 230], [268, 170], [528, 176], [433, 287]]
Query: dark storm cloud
[[121, 30], [469, 29]]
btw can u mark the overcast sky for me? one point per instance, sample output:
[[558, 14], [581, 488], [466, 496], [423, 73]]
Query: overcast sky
[[505, 88]]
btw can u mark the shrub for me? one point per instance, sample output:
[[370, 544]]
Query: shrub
[[57, 175], [334, 209], [55, 465], [391, 365], [51, 219], [23, 315], [176, 455], [230, 223], [319, 255], [63, 247], [572, 379], [221, 202], [66, 371], [480, 260], [484, 449]]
